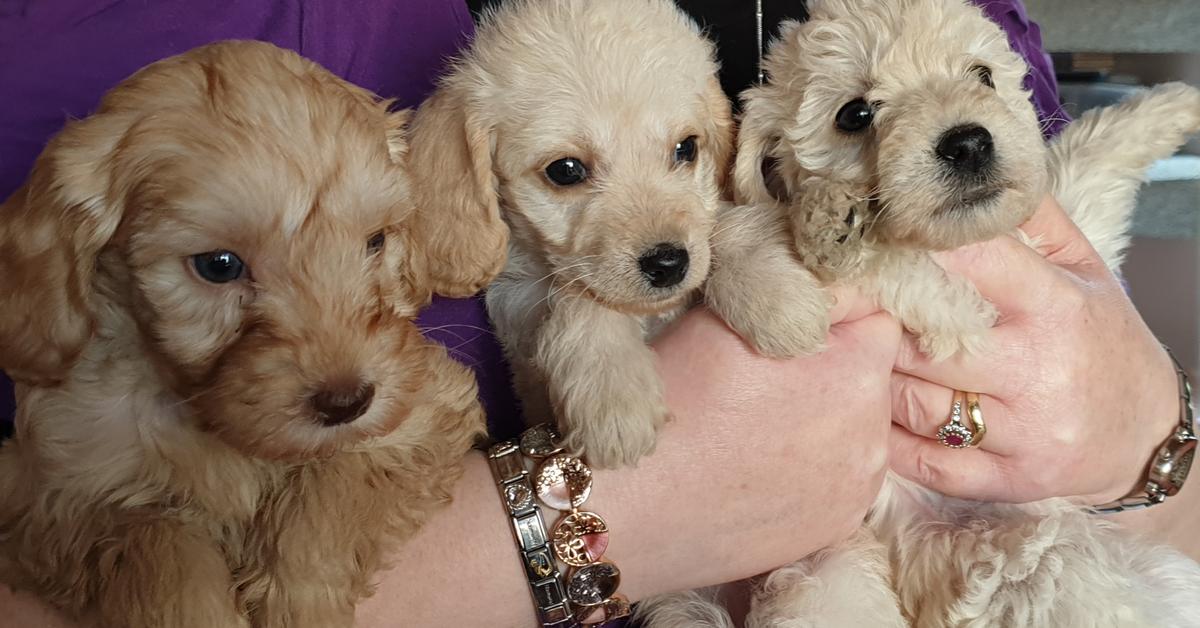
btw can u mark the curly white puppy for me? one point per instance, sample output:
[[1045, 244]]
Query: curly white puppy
[[597, 132], [889, 129]]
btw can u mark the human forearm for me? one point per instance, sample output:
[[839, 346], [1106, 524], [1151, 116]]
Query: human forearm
[[720, 499]]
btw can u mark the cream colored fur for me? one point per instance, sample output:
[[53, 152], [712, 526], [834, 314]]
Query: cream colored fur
[[866, 209], [616, 85], [169, 470]]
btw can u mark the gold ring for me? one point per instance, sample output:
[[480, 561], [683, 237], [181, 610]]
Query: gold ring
[[975, 413]]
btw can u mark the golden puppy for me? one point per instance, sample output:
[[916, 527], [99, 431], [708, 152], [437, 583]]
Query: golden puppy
[[227, 412], [598, 133]]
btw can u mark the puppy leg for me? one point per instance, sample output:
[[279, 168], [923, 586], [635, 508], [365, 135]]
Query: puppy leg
[[849, 585], [945, 311], [1100, 160], [686, 609], [758, 286], [602, 383], [998, 566], [161, 573]]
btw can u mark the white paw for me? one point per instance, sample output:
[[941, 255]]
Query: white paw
[[776, 305], [608, 441]]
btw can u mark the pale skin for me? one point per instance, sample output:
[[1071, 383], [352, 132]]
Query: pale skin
[[1077, 395]]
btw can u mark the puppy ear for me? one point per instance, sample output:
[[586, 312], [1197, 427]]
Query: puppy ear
[[755, 141], [720, 132], [51, 232], [457, 225]]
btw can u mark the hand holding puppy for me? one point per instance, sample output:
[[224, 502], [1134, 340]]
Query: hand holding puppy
[[1077, 391]]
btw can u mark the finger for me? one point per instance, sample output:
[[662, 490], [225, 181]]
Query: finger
[[850, 304], [1014, 277], [875, 337], [996, 371], [963, 473], [922, 407], [1057, 238]]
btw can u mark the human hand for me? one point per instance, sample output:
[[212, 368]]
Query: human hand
[[767, 460], [1077, 393]]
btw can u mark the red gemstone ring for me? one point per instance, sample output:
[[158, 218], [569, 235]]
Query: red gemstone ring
[[956, 434]]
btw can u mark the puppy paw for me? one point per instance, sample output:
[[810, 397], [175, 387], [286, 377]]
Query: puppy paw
[[608, 442], [969, 335], [760, 288], [791, 320], [828, 225]]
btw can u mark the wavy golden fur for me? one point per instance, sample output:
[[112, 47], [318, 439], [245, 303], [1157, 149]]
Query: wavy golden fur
[[234, 453]]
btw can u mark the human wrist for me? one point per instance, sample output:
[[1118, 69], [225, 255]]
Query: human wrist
[[1166, 432]]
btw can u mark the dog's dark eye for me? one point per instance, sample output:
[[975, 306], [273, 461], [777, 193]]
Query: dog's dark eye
[[566, 171], [686, 150], [985, 75], [854, 116], [375, 244], [218, 266]]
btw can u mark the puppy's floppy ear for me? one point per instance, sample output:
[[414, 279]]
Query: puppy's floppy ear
[[756, 139], [457, 225], [51, 232], [720, 131]]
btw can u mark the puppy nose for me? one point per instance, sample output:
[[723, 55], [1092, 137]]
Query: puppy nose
[[967, 149], [665, 265], [336, 405]]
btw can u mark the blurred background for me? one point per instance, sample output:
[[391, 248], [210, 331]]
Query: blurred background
[[1103, 50]]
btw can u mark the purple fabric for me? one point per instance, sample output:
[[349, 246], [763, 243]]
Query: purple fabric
[[1026, 38], [57, 57]]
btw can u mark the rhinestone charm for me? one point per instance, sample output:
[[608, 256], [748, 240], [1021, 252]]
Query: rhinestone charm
[[518, 497], [580, 538], [563, 482], [594, 584], [541, 441]]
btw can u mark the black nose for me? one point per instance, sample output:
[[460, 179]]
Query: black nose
[[665, 265], [336, 405], [967, 149]]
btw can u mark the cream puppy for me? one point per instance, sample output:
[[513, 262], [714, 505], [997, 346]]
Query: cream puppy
[[889, 129], [595, 136]]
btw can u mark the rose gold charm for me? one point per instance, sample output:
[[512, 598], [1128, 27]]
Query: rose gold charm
[[593, 585], [563, 482], [613, 608], [580, 538]]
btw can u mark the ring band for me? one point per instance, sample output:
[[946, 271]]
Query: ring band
[[954, 433], [975, 414]]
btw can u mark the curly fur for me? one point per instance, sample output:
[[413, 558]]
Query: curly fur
[[616, 85], [925, 559], [169, 469]]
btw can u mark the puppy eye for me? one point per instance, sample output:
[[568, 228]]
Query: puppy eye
[[985, 75], [375, 243], [854, 116], [566, 171], [218, 266], [686, 150]]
